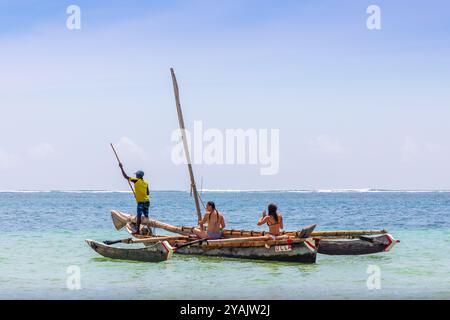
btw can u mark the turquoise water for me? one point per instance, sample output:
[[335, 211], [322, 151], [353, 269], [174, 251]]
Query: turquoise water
[[42, 234]]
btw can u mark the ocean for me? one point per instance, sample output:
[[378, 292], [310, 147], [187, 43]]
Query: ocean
[[43, 249]]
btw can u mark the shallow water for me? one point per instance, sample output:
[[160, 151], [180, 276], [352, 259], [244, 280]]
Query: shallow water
[[43, 233]]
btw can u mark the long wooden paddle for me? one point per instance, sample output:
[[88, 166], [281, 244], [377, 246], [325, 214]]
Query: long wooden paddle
[[129, 183], [177, 246], [147, 240]]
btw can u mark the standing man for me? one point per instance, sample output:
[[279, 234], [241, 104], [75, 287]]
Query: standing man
[[142, 195]]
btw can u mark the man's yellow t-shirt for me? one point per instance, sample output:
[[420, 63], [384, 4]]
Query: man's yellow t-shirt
[[140, 188]]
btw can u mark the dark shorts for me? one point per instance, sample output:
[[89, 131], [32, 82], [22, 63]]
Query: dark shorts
[[142, 209], [214, 235]]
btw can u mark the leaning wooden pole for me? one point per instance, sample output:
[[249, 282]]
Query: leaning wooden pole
[[185, 144], [129, 183]]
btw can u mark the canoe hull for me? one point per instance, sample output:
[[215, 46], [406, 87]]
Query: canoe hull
[[359, 246], [260, 253], [302, 252], [158, 252]]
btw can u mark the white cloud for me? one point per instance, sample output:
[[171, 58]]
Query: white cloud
[[41, 151], [328, 146], [130, 148]]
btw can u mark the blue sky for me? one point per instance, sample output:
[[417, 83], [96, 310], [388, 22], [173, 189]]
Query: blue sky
[[355, 108]]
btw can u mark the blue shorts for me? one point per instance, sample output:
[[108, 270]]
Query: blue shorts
[[214, 235], [142, 209]]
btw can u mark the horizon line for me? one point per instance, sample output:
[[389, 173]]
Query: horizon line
[[331, 190]]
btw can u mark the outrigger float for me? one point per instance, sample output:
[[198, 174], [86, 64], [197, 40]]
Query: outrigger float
[[293, 246]]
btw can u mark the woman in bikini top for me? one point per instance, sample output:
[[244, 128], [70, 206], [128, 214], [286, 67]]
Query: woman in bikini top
[[274, 220], [215, 221]]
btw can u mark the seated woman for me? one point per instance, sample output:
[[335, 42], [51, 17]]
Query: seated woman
[[274, 220], [215, 221]]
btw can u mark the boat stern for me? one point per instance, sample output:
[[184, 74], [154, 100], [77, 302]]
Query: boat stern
[[391, 242]]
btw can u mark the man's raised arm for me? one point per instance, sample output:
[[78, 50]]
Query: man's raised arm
[[123, 172]]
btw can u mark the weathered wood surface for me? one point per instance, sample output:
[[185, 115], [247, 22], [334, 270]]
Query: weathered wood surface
[[298, 252], [153, 253]]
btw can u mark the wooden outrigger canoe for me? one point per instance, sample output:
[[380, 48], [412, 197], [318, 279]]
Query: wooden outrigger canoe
[[155, 252], [345, 242]]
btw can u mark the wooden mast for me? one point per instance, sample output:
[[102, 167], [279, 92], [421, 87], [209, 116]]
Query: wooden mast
[[185, 144]]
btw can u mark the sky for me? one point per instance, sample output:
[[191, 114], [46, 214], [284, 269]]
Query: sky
[[355, 108]]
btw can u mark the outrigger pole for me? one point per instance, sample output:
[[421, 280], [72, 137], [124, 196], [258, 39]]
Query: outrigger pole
[[185, 144]]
